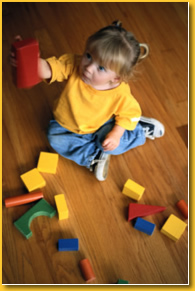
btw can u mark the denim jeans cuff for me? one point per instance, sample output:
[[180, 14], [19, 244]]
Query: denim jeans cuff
[[91, 158]]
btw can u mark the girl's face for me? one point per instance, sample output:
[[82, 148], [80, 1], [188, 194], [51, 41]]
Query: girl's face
[[98, 77]]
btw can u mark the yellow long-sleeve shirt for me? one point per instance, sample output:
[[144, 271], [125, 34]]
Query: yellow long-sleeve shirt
[[83, 109]]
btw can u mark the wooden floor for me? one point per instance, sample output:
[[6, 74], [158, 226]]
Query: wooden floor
[[98, 210]]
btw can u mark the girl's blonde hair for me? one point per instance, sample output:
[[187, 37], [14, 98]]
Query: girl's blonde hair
[[116, 49]]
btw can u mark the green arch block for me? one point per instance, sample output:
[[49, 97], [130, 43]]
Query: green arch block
[[41, 208]]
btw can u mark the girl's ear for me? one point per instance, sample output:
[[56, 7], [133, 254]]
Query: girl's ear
[[117, 79]]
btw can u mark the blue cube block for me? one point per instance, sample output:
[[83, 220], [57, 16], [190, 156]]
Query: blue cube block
[[70, 244], [144, 226]]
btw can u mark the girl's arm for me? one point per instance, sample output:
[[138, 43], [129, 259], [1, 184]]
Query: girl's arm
[[112, 139], [44, 69]]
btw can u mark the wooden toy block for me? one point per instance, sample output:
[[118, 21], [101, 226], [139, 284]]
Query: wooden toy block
[[183, 207], [140, 210], [87, 270], [173, 227], [47, 162], [120, 281], [61, 206], [69, 244], [27, 54], [33, 180], [144, 226], [133, 190], [22, 199], [40, 208]]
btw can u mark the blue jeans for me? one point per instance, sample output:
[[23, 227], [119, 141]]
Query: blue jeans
[[83, 148]]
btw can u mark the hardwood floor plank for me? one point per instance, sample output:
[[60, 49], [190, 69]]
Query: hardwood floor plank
[[183, 131]]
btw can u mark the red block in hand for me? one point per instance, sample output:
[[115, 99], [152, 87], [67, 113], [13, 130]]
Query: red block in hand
[[27, 54]]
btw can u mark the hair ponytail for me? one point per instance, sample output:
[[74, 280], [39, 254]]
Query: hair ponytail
[[143, 47], [117, 23], [146, 51]]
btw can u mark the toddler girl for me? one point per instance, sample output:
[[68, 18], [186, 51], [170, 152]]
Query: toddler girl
[[96, 115]]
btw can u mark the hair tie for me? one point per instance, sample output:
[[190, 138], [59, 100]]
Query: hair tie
[[146, 51], [117, 23]]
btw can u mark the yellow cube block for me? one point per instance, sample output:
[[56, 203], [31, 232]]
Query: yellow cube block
[[61, 206], [33, 180], [48, 162], [173, 227], [133, 190]]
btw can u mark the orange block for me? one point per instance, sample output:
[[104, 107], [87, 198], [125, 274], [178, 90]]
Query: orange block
[[22, 199], [87, 270], [183, 207]]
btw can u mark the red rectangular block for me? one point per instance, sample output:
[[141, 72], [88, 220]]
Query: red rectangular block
[[27, 54]]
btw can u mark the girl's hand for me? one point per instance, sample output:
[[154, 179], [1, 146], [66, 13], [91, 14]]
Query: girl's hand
[[111, 142], [112, 139], [13, 61]]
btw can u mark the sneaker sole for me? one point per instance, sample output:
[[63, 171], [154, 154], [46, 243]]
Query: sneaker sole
[[101, 170]]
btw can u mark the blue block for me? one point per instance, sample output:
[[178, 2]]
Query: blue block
[[69, 244], [144, 226]]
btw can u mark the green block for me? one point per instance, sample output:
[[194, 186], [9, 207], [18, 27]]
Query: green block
[[120, 281], [41, 208]]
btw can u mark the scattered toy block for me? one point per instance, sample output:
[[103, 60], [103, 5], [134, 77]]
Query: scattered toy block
[[61, 206], [87, 270], [173, 227], [133, 190], [27, 54], [144, 226], [33, 180], [140, 210], [22, 199], [47, 162], [120, 281], [183, 207], [41, 208], [68, 244]]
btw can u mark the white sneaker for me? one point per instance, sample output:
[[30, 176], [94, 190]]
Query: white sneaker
[[100, 166], [152, 127]]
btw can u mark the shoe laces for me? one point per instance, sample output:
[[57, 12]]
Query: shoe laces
[[97, 161], [93, 163], [148, 132]]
